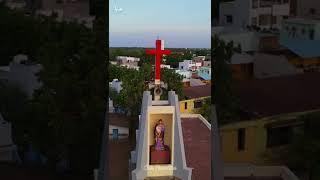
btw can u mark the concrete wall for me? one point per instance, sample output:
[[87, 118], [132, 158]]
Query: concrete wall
[[149, 115], [248, 41], [242, 13], [121, 130], [303, 7], [6, 144], [205, 73], [5, 133], [230, 146], [180, 162], [190, 105], [258, 171], [226, 8], [255, 139]]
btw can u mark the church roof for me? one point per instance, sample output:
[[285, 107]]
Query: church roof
[[197, 144], [279, 95]]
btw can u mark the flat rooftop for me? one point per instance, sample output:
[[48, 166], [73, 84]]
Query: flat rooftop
[[197, 144], [279, 95], [197, 91]]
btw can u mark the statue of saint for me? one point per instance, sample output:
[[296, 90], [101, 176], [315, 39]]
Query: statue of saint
[[159, 136], [159, 152]]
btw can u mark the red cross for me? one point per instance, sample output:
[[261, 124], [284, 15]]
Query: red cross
[[159, 53]]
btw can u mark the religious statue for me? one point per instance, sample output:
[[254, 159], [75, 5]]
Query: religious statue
[[159, 152], [159, 135]]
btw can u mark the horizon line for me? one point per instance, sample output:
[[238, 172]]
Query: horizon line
[[165, 47]]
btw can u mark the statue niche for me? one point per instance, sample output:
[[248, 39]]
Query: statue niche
[[159, 152]]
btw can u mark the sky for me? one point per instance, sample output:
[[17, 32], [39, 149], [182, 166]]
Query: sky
[[180, 23]]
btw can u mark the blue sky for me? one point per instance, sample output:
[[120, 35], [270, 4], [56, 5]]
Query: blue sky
[[181, 23]]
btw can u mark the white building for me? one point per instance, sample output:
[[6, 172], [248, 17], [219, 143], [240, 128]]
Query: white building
[[186, 74], [116, 84], [126, 59], [207, 63], [199, 58], [8, 151], [22, 73], [165, 66], [118, 126], [128, 62], [111, 108], [262, 13], [248, 40], [15, 4], [130, 66], [73, 10], [188, 65], [306, 8]]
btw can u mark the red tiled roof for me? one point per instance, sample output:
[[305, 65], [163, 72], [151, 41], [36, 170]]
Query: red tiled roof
[[119, 154], [197, 91], [119, 120], [279, 95], [196, 137]]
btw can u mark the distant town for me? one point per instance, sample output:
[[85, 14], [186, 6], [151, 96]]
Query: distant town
[[266, 65]]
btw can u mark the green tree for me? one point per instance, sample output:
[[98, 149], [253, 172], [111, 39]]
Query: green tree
[[174, 82], [225, 101], [302, 154], [66, 113], [205, 109], [134, 82]]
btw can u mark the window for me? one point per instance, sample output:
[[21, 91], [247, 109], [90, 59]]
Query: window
[[294, 29], [197, 104], [229, 19], [312, 11], [185, 105], [278, 136], [311, 34], [264, 20], [115, 133], [241, 139], [274, 19], [254, 21]]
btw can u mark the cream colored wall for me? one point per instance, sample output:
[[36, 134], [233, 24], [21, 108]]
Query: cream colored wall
[[190, 105], [168, 123], [230, 146], [256, 138]]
